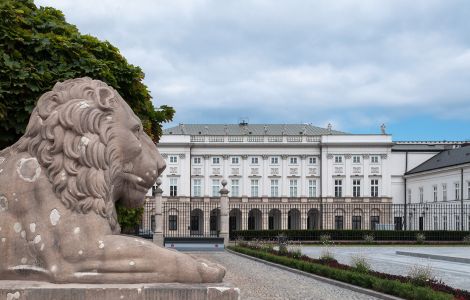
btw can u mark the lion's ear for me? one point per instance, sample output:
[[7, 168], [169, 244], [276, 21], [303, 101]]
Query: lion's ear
[[106, 97]]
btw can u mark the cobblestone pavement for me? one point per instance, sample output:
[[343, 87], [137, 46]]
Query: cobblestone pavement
[[384, 259], [259, 281]]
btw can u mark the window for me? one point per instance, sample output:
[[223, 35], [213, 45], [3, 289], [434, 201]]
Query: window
[[421, 195], [374, 159], [435, 223], [338, 188], [312, 160], [338, 159], [254, 160], [197, 189], [374, 221], [173, 222], [235, 160], [312, 188], [339, 222], [457, 222], [274, 188], [254, 188], [409, 195], [293, 160], [293, 188], [173, 187], [356, 222], [235, 188], [274, 160], [216, 160], [173, 159], [215, 187], [356, 159], [374, 187], [444, 192], [457, 191], [444, 221], [434, 193], [356, 184], [197, 160]]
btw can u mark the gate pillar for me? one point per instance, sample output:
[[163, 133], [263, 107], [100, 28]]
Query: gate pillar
[[157, 196], [224, 213]]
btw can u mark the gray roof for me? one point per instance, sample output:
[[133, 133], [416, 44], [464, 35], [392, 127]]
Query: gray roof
[[444, 159], [249, 129], [426, 146]]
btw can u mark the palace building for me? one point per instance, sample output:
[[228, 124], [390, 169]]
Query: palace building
[[295, 176]]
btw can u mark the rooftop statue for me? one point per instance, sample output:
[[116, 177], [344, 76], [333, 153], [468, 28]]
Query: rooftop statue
[[83, 150]]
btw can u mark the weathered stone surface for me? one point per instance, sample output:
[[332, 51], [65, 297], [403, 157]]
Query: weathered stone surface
[[83, 150], [30, 290]]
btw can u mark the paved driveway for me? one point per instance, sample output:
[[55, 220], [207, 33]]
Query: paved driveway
[[384, 259], [260, 281]]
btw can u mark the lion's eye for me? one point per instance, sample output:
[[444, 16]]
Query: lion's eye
[[136, 129]]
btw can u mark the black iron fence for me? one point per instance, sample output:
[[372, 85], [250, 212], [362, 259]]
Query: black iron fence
[[202, 219]]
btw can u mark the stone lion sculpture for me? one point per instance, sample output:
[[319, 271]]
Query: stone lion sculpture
[[83, 150]]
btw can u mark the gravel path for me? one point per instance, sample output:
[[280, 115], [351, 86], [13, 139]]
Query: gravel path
[[259, 281]]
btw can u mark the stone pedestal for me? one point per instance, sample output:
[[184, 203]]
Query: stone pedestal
[[34, 290]]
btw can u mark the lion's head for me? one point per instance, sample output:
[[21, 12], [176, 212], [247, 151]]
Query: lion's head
[[92, 147]]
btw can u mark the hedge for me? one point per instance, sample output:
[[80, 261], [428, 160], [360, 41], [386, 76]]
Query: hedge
[[350, 235], [387, 286]]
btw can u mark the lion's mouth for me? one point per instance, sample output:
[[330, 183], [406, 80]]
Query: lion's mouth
[[137, 181]]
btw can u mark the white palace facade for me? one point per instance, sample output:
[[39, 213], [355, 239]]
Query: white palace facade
[[276, 164]]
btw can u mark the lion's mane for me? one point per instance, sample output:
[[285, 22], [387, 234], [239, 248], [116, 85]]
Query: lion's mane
[[70, 133]]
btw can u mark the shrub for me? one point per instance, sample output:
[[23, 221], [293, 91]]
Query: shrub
[[420, 238], [421, 275], [325, 239], [351, 235], [466, 239], [369, 238], [295, 250], [327, 255], [360, 263]]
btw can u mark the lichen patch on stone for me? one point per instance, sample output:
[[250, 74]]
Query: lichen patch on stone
[[37, 239], [2, 159], [83, 104], [3, 203], [54, 217], [100, 244], [28, 169], [76, 230], [23, 234], [17, 227], [24, 260]]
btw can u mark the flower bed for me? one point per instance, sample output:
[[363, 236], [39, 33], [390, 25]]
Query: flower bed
[[396, 285]]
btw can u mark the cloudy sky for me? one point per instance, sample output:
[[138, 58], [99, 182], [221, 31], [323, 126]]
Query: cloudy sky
[[355, 64]]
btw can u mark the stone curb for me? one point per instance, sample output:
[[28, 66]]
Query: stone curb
[[435, 257], [320, 278]]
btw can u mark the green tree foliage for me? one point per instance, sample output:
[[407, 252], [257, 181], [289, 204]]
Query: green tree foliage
[[38, 48]]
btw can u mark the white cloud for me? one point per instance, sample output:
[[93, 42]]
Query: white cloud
[[351, 63]]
